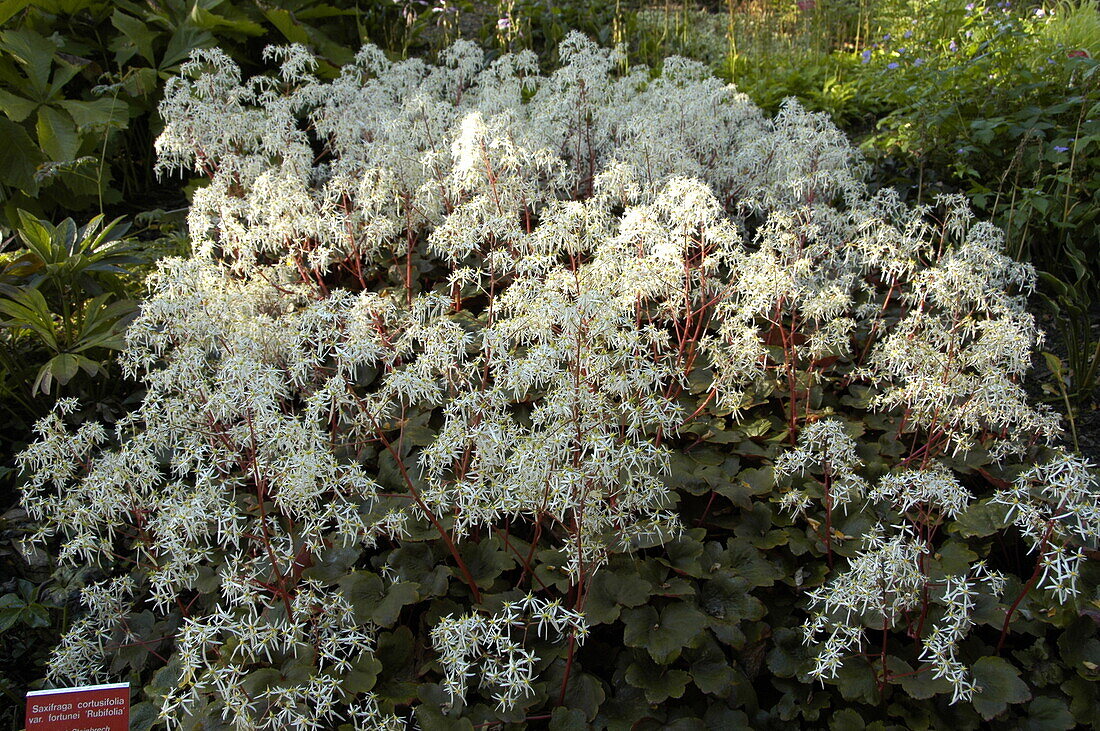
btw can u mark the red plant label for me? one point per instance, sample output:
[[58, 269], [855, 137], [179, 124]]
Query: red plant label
[[88, 708]]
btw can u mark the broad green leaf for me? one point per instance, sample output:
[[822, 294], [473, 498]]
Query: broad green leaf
[[747, 561], [657, 680], [1000, 686], [207, 20], [35, 53], [678, 625], [682, 553], [363, 674], [981, 518], [60, 368], [856, 681], [284, 21], [36, 615], [486, 560], [97, 114], [1048, 714], [372, 601], [57, 134], [919, 685], [184, 40], [568, 719], [726, 601], [760, 480], [584, 693], [19, 157], [846, 719], [385, 614], [8, 8], [711, 670], [28, 309], [135, 37], [16, 107], [789, 656], [614, 588]]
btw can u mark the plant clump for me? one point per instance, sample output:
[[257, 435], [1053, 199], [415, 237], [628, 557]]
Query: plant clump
[[451, 337]]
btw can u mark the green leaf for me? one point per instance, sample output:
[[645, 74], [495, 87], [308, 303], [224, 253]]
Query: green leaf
[[57, 134], [567, 719], [789, 656], [981, 518], [846, 719], [955, 558], [60, 368], [857, 682], [362, 675], [8, 8], [398, 596], [486, 560], [397, 681], [36, 615], [135, 37], [743, 559], [919, 686], [711, 670], [584, 693], [679, 625], [614, 588], [1048, 714], [19, 157], [1000, 686], [35, 53], [15, 107], [28, 309], [105, 113], [726, 601], [760, 480], [184, 40], [203, 18], [657, 681], [373, 602], [284, 21]]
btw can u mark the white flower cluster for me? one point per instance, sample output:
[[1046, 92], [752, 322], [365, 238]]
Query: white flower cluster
[[603, 236], [78, 657], [495, 643], [889, 578], [956, 360], [933, 488], [883, 583], [941, 644], [216, 651], [1056, 505], [823, 444]]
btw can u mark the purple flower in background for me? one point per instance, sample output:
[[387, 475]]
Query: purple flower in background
[[970, 7], [892, 65], [952, 46], [1059, 148], [907, 34], [918, 62], [866, 56], [886, 37], [504, 24]]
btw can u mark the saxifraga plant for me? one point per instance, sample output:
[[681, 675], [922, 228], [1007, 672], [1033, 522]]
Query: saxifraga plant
[[493, 308]]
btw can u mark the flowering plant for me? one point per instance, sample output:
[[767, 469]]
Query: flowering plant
[[469, 322]]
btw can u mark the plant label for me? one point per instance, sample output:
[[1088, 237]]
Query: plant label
[[87, 708]]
